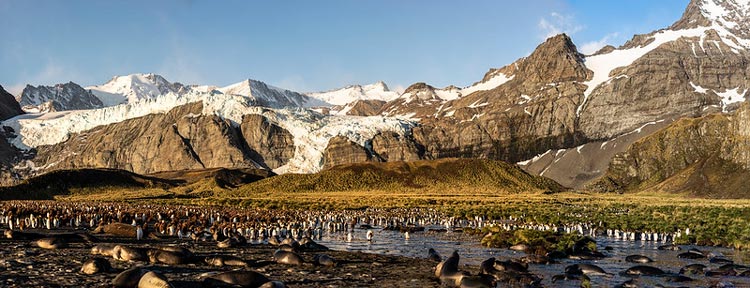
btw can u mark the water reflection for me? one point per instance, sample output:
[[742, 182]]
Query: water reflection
[[394, 243]]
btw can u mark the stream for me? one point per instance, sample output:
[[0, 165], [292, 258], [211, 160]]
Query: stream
[[471, 253]]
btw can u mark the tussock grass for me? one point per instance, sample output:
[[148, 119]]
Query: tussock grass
[[461, 189]]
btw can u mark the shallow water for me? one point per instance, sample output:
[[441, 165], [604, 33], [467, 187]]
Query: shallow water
[[393, 243]]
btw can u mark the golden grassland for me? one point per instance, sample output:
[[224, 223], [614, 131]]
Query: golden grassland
[[718, 222], [460, 188]]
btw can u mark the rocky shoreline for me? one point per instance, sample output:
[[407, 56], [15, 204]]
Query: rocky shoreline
[[23, 264]]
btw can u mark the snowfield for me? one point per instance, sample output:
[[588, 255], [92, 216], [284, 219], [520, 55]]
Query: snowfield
[[311, 131], [353, 93]]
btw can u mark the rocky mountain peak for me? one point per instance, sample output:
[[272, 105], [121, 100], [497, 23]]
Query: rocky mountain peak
[[135, 87], [381, 85], [555, 60], [732, 15], [8, 105], [270, 96], [60, 97], [418, 87]]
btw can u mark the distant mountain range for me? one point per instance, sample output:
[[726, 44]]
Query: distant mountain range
[[556, 113]]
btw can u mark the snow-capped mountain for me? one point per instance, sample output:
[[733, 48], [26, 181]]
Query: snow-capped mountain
[[267, 95], [572, 111], [61, 97], [349, 94], [135, 87], [310, 131], [421, 100]]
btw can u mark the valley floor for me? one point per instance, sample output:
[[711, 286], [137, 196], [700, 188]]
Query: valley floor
[[709, 222]]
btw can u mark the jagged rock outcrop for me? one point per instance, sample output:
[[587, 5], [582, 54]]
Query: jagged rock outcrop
[[704, 156], [727, 14], [9, 154], [341, 150], [9, 107], [532, 112], [364, 108], [736, 146], [61, 97], [420, 101], [271, 146], [678, 78], [176, 140], [389, 146]]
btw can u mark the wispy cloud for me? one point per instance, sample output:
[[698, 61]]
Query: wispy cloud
[[589, 48], [557, 23]]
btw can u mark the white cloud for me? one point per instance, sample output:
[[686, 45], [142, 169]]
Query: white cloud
[[589, 48], [557, 23]]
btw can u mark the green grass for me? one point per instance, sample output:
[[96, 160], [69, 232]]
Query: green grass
[[463, 188]]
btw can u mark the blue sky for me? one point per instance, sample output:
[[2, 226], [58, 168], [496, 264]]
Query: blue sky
[[300, 45]]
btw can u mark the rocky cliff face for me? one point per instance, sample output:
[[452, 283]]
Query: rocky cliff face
[[341, 150], [525, 116], [704, 156], [360, 108], [9, 107], [389, 146], [736, 146], [271, 145], [419, 101], [176, 140], [61, 97], [680, 78]]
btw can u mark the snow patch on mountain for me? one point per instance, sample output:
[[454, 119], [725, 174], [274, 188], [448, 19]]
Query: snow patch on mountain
[[727, 97], [726, 13], [490, 84], [132, 88], [439, 95], [449, 93], [311, 131], [731, 96], [68, 96], [698, 88], [603, 64], [271, 96], [353, 93]]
